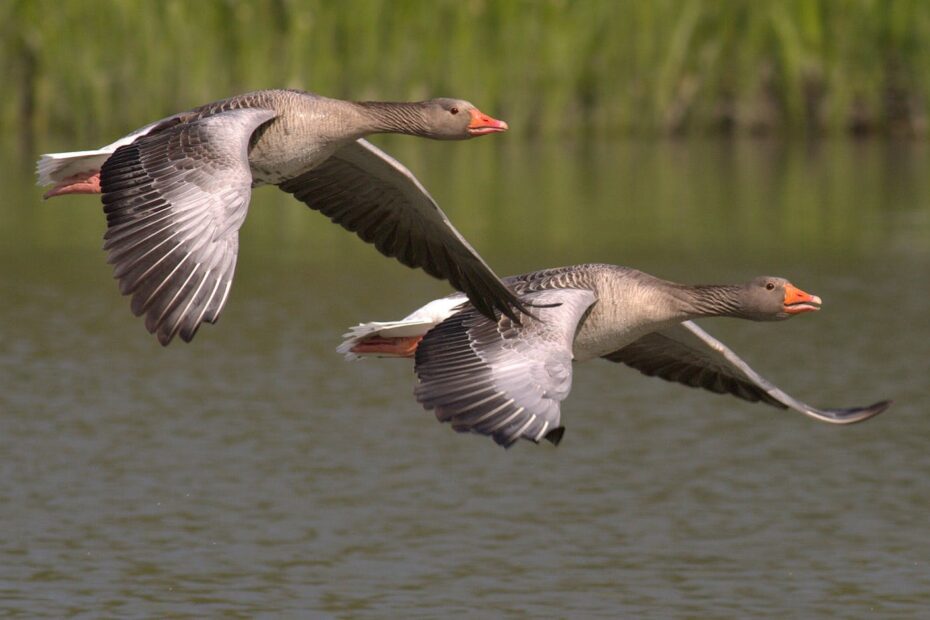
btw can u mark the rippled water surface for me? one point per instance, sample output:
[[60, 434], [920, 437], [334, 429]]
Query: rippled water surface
[[253, 473]]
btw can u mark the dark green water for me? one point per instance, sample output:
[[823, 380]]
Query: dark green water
[[253, 473]]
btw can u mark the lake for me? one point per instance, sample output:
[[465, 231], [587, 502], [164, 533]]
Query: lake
[[254, 473]]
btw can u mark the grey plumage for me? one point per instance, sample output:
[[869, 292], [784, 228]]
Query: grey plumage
[[507, 381], [364, 190], [688, 355], [666, 355], [176, 194], [175, 202], [499, 378]]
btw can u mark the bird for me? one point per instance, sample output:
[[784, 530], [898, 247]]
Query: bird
[[176, 192], [507, 380]]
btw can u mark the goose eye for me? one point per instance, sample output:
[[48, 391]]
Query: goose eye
[[453, 110], [770, 286]]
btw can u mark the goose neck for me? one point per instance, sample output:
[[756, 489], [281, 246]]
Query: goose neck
[[393, 117], [708, 300]]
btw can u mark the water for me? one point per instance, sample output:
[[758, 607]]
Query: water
[[253, 473]]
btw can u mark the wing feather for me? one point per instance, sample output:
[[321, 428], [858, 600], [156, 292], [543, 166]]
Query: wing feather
[[371, 194], [175, 200], [687, 354], [500, 378]]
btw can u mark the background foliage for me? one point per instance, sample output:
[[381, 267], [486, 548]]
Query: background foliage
[[89, 70]]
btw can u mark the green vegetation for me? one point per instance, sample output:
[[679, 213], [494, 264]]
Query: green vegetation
[[87, 70]]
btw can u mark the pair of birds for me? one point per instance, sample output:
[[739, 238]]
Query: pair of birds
[[495, 359]]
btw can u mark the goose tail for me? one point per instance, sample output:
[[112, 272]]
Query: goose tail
[[54, 168], [398, 338]]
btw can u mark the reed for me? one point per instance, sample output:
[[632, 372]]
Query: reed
[[79, 70]]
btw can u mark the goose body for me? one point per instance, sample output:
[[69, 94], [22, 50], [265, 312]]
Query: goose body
[[507, 380], [176, 192]]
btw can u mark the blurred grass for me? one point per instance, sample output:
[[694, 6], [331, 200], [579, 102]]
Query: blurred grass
[[87, 70]]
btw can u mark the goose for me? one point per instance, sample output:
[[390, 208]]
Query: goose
[[176, 192], [507, 380]]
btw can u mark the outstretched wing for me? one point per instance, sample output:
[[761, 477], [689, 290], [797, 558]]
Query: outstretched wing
[[368, 192], [687, 354], [499, 378], [175, 200]]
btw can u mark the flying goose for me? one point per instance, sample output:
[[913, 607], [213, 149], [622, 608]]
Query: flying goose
[[176, 192], [507, 380]]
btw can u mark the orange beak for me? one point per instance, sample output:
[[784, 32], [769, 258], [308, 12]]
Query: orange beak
[[482, 124], [797, 301]]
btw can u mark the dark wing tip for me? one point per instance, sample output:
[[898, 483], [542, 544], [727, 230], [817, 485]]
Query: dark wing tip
[[857, 414], [508, 303], [524, 308], [555, 435], [514, 309], [874, 409]]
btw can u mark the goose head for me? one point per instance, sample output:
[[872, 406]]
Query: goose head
[[457, 119], [769, 298]]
